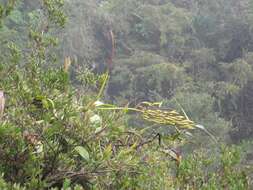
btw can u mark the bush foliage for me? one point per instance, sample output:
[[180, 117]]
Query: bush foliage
[[55, 131]]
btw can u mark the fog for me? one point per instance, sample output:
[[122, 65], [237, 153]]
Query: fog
[[198, 52]]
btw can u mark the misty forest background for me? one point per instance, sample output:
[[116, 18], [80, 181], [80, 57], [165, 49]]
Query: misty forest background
[[74, 72]]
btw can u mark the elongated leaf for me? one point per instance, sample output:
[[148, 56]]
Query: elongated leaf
[[83, 152], [107, 152], [207, 132]]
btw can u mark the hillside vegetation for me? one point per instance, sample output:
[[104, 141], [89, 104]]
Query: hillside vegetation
[[126, 94]]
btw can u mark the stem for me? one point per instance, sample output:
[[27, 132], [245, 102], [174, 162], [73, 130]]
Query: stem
[[103, 86], [122, 108]]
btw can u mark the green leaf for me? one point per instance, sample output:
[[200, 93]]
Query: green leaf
[[66, 184], [83, 152], [107, 152], [98, 129]]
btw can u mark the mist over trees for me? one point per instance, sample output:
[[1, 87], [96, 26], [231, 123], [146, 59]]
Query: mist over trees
[[167, 49], [126, 94]]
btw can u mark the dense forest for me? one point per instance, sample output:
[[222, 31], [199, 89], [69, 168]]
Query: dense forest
[[126, 94]]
